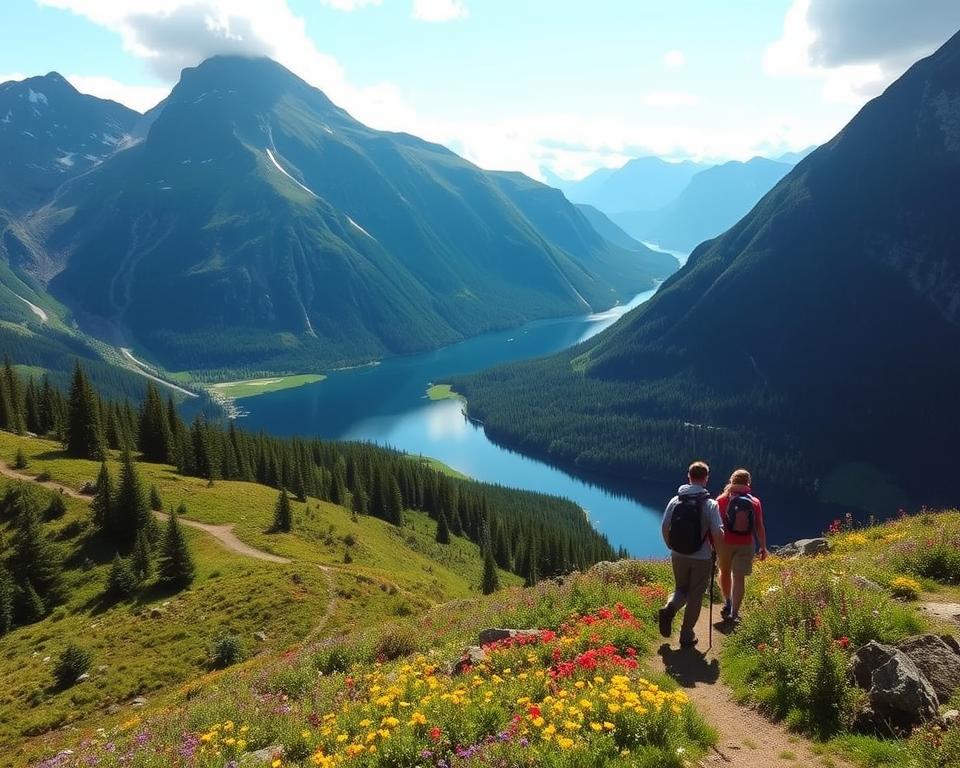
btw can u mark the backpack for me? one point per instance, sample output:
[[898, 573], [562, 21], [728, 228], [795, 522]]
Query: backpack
[[739, 517], [685, 533]]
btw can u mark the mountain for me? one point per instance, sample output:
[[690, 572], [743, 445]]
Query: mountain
[[819, 332], [792, 158], [258, 224], [646, 183], [711, 203], [49, 133], [607, 228]]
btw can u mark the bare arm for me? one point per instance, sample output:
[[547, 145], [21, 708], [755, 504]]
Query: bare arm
[[761, 534]]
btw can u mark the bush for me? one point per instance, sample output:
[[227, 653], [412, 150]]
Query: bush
[[72, 663], [56, 509], [226, 651], [122, 581], [905, 588], [20, 460], [396, 641], [932, 556]]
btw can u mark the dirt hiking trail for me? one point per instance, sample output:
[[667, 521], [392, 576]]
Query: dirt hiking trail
[[746, 739]]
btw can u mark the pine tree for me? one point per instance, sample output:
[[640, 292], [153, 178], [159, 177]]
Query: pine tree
[[530, 574], [85, 438], [132, 512], [6, 600], [155, 500], [103, 502], [140, 559], [491, 579], [35, 559], [155, 436], [122, 581], [17, 419], [20, 459], [32, 607], [443, 530], [175, 565], [56, 509], [283, 515]]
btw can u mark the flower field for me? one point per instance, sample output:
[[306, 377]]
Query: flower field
[[574, 693]]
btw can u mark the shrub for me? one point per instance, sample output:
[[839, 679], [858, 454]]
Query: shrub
[[56, 509], [905, 588], [72, 662], [396, 641], [122, 581], [226, 651], [933, 555], [20, 460]]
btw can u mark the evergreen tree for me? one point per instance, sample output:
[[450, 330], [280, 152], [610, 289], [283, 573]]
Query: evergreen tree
[[17, 418], [32, 607], [103, 502], [283, 515], [140, 561], [491, 579], [56, 509], [122, 581], [131, 510], [175, 565], [35, 559], [6, 600], [155, 500], [443, 531], [155, 436], [20, 459], [85, 438], [530, 574]]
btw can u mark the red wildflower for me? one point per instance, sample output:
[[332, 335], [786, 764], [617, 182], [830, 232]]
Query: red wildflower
[[435, 733]]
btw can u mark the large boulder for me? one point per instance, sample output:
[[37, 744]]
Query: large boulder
[[936, 660], [804, 548], [899, 696]]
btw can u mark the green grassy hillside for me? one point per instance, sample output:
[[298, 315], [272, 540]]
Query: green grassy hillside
[[394, 572]]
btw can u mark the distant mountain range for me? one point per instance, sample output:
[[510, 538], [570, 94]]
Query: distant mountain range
[[710, 204], [678, 205], [819, 332], [249, 222]]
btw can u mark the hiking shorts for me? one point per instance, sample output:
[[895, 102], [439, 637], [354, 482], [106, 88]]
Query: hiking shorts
[[736, 558]]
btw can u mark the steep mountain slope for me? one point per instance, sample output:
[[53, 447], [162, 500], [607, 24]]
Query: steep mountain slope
[[713, 201], [646, 183], [607, 228], [823, 325], [259, 224], [50, 132]]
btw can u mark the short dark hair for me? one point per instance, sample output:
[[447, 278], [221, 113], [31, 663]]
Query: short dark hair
[[698, 470]]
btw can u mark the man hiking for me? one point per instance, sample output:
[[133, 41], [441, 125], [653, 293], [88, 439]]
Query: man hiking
[[742, 516], [691, 523]]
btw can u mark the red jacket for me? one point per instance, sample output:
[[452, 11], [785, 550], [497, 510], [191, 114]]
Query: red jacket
[[723, 500]]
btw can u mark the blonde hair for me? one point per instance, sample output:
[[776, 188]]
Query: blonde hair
[[739, 477]]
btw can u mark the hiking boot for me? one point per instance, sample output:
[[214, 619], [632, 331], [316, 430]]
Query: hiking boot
[[727, 611], [665, 621], [690, 642], [735, 620]]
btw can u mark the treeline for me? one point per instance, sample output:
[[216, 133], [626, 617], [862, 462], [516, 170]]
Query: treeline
[[531, 534], [633, 430]]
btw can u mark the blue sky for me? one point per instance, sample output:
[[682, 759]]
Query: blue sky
[[519, 84]]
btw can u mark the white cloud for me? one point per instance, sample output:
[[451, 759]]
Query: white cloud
[[138, 97], [7, 76], [674, 59], [439, 10], [858, 47], [670, 99], [169, 35], [348, 5]]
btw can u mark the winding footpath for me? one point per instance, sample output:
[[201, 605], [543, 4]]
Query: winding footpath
[[746, 739]]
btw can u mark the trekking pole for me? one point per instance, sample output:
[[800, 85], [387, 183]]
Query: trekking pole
[[713, 577]]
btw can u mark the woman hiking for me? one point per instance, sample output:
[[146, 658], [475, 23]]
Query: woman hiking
[[742, 516]]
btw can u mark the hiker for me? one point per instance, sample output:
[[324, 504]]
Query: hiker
[[742, 516], [691, 523]]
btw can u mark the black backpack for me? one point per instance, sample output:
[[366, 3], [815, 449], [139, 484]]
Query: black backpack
[[739, 517], [685, 533]]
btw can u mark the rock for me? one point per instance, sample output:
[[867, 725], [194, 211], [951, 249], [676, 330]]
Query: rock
[[804, 548], [488, 636], [936, 660], [471, 657], [899, 696], [263, 756], [113, 709], [952, 642], [950, 718], [82, 677], [864, 583], [102, 668], [139, 701], [260, 636], [866, 659], [156, 613]]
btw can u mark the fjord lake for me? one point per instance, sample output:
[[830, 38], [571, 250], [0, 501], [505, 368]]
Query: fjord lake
[[387, 404]]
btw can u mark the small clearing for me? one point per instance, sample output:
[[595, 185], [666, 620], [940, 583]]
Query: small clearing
[[236, 390]]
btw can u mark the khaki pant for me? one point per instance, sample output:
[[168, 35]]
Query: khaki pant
[[691, 579], [735, 558]]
